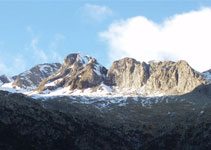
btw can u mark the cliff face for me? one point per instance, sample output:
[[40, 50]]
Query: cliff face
[[126, 76], [128, 73], [77, 72], [173, 77], [30, 79], [167, 76]]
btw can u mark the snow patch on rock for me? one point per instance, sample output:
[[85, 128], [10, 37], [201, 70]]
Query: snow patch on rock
[[53, 83], [84, 59], [9, 87]]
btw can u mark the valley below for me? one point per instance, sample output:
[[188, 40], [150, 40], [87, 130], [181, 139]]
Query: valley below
[[68, 123]]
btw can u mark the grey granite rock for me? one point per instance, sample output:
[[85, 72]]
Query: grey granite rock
[[128, 73], [4, 79], [164, 77], [30, 79], [77, 72]]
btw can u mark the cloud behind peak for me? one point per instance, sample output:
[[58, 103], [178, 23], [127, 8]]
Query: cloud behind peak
[[96, 13], [183, 36]]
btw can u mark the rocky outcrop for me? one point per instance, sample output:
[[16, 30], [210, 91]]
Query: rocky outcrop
[[30, 79], [4, 79], [77, 72], [207, 75], [165, 77], [128, 73], [126, 76], [82, 72], [173, 77], [208, 71]]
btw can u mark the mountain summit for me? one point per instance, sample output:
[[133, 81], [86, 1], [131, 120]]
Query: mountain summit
[[30, 79], [77, 72], [82, 75], [165, 77], [126, 76]]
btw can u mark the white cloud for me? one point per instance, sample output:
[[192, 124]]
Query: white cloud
[[96, 12], [57, 57], [3, 68], [34, 48], [29, 29], [54, 46], [18, 65], [33, 54], [183, 36], [57, 40], [48, 54], [39, 53]]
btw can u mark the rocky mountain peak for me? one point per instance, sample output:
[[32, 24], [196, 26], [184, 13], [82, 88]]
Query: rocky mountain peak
[[77, 72], [126, 60], [76, 59], [183, 63], [155, 77], [173, 77], [30, 79], [81, 73], [74, 62], [128, 73], [4, 79]]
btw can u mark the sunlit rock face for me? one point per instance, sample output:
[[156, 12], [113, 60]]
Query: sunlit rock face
[[127, 76], [128, 73], [77, 72], [30, 79], [166, 77]]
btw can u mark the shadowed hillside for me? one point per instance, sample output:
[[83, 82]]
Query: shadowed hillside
[[63, 123]]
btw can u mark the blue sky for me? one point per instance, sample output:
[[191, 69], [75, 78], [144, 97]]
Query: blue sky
[[38, 31]]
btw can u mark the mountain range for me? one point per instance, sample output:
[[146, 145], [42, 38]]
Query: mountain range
[[80, 104], [83, 75]]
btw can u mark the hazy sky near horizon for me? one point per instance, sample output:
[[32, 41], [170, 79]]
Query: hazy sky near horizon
[[40, 31]]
